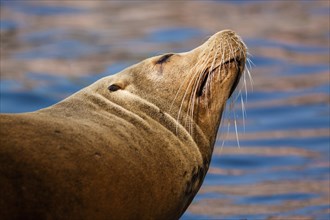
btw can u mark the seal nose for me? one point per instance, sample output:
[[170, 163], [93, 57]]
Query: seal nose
[[229, 40], [225, 37], [225, 34]]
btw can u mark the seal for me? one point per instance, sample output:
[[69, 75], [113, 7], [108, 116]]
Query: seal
[[134, 145]]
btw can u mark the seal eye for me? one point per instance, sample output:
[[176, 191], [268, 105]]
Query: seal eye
[[164, 58], [114, 87]]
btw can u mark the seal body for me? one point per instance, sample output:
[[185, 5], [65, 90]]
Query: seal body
[[134, 145]]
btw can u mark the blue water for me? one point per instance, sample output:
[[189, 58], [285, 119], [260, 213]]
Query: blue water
[[174, 35], [24, 6], [61, 43]]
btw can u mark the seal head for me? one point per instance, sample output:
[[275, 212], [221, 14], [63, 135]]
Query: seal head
[[192, 87]]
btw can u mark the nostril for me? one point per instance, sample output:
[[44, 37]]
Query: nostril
[[228, 31]]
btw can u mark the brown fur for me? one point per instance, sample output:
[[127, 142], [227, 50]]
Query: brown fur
[[140, 152]]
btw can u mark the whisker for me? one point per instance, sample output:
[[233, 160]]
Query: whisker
[[234, 99], [194, 80], [237, 139], [214, 54], [243, 112]]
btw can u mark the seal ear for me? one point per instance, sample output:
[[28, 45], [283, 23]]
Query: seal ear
[[118, 85], [114, 87]]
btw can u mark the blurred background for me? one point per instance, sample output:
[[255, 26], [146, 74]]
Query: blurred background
[[51, 49]]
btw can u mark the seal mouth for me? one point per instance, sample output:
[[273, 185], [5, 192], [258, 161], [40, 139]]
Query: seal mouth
[[238, 75], [207, 75]]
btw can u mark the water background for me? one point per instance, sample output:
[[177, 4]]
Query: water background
[[51, 49]]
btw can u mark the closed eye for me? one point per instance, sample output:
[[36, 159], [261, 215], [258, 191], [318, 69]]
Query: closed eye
[[164, 58]]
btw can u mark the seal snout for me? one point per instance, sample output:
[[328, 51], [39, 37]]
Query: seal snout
[[223, 60]]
